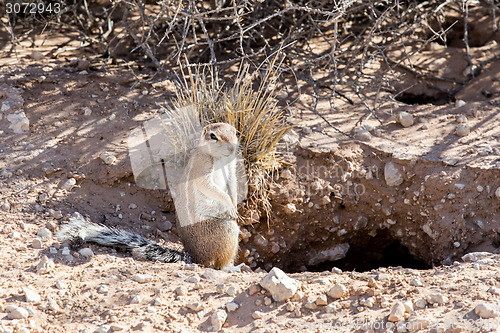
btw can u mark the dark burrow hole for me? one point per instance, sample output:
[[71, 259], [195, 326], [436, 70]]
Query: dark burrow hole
[[367, 253], [411, 99]]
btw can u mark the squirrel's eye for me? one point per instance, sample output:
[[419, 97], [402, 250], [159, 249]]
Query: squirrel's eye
[[213, 137]]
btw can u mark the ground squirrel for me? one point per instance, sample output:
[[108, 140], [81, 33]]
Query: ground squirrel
[[205, 205]]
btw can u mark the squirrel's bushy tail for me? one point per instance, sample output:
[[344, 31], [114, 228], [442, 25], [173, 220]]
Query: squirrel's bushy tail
[[79, 230]]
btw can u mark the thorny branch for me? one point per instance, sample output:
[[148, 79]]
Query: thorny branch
[[331, 44]]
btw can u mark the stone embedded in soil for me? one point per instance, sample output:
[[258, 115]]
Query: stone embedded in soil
[[397, 312], [69, 184], [142, 278], [362, 134], [17, 312], [231, 306], [45, 266], [87, 111], [31, 296], [181, 291], [459, 103], [44, 233], [408, 306], [415, 282], [86, 252], [286, 174], [193, 279], [37, 244], [196, 306], [497, 192], [393, 176], [462, 130], [19, 123], [217, 320], [420, 303], [337, 291], [107, 158], [253, 289], [136, 300], [280, 285], [405, 119], [436, 298], [462, 119], [486, 310]]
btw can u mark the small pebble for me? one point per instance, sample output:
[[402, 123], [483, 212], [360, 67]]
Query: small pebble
[[44, 233], [232, 306], [86, 252], [462, 130], [405, 119], [337, 291], [142, 278], [181, 291], [36, 243], [136, 300], [69, 184]]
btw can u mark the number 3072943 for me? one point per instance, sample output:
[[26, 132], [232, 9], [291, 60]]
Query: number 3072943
[[32, 7]]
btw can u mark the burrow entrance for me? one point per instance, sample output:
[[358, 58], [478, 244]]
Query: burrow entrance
[[367, 253]]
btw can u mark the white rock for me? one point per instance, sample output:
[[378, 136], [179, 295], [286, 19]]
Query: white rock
[[462, 119], [486, 310], [231, 306], [405, 119], [497, 192], [193, 279], [44, 233], [436, 298], [107, 158], [217, 320], [157, 302], [279, 285], [69, 184], [87, 111], [19, 123], [337, 291], [196, 306], [420, 303], [136, 300], [142, 278], [86, 252], [416, 282], [231, 291], [408, 306], [45, 265], [103, 289], [362, 134], [53, 306], [462, 130], [31, 296], [393, 176], [16, 312], [397, 312], [15, 235], [61, 285]]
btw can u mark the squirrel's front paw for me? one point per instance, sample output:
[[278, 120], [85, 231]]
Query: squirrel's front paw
[[233, 212]]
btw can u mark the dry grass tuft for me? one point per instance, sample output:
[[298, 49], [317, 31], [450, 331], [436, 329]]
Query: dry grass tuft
[[260, 123]]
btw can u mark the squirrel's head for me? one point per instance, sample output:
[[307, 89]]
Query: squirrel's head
[[219, 140]]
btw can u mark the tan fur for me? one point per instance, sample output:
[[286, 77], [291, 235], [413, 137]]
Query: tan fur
[[207, 198]]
